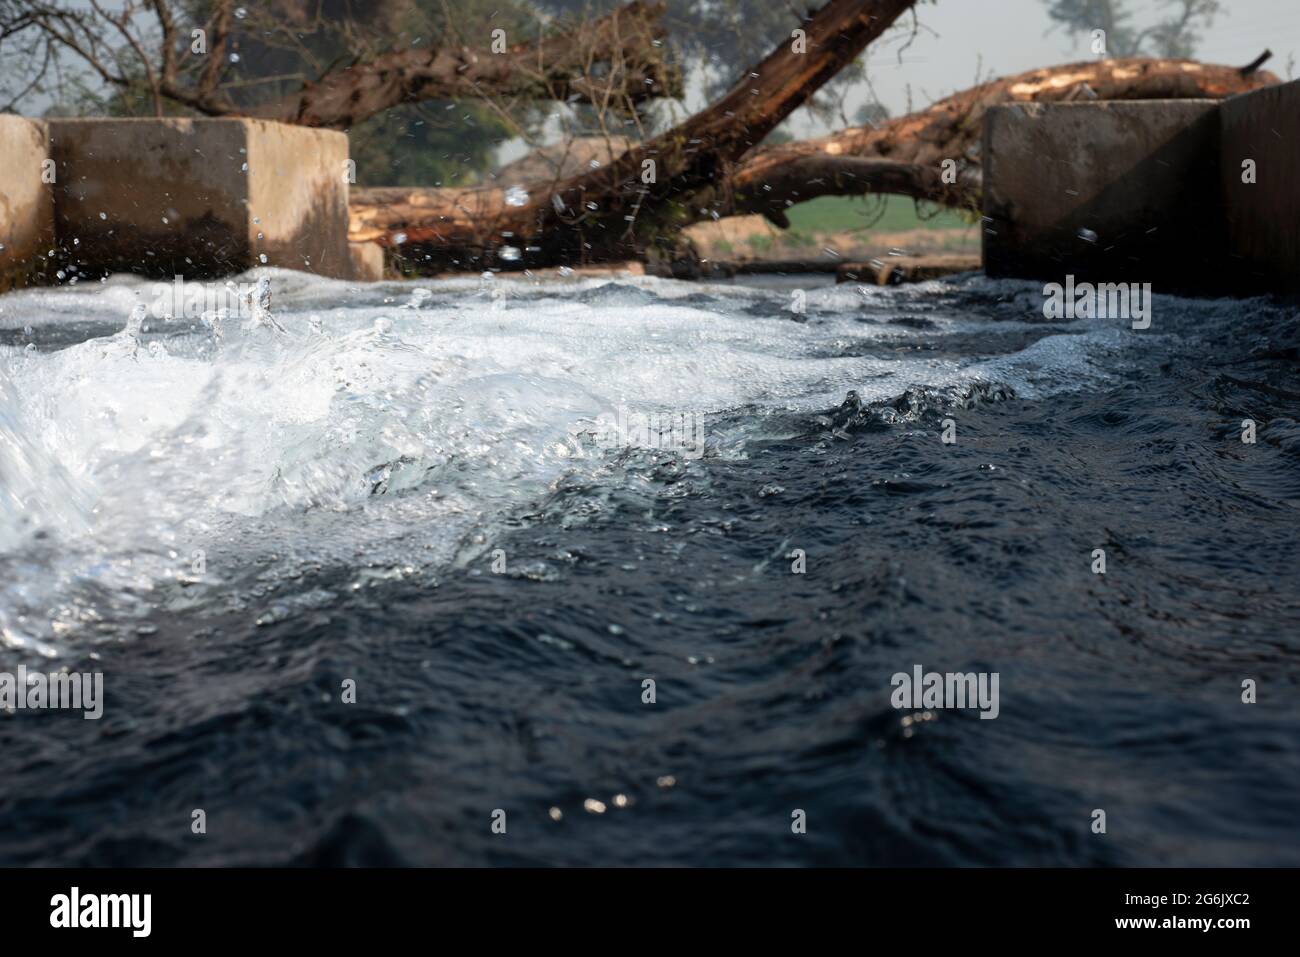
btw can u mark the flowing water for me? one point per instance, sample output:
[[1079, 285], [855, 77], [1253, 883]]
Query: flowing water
[[414, 491]]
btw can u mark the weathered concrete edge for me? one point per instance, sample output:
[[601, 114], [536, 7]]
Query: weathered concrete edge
[[1258, 246], [26, 201], [1101, 190], [201, 197], [297, 183], [1260, 165], [367, 261]]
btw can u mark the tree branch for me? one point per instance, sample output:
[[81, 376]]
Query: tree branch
[[557, 67], [903, 156]]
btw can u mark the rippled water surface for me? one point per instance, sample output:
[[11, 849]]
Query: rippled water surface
[[411, 487]]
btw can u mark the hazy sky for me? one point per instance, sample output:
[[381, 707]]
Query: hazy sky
[[969, 38], [1015, 35]]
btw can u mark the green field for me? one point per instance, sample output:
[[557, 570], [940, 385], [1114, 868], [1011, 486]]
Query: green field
[[834, 214]]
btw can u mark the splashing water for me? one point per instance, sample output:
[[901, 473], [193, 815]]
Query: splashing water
[[222, 439], [474, 497]]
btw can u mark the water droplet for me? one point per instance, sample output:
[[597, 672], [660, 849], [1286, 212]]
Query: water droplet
[[516, 196], [1087, 234], [262, 257], [234, 58], [240, 13], [510, 253], [399, 238], [135, 321], [383, 326]]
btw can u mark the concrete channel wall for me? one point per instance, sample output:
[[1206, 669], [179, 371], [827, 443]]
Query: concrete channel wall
[[1260, 162], [1147, 191], [26, 201], [1121, 191], [200, 198]]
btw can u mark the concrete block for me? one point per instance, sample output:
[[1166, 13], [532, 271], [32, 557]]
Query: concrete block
[[1263, 217], [367, 261], [1119, 191], [26, 201], [199, 197]]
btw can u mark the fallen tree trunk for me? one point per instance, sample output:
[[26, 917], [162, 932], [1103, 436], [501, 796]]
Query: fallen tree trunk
[[634, 207], [903, 156]]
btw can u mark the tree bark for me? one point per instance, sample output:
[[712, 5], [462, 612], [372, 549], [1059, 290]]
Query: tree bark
[[903, 156]]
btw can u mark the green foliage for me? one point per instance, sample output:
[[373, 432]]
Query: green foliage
[[835, 214], [797, 239], [426, 144]]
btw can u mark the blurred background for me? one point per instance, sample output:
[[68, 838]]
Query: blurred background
[[273, 47]]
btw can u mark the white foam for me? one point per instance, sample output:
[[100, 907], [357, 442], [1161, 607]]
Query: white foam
[[129, 458]]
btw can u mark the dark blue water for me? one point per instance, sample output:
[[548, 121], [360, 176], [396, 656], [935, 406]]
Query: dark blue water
[[523, 692]]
